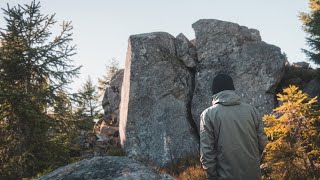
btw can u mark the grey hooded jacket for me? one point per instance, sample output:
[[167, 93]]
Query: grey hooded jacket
[[231, 138]]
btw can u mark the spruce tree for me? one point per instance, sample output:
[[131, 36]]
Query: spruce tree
[[35, 66], [88, 101], [311, 25], [111, 70]]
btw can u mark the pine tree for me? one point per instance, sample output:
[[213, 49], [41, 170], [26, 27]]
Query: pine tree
[[88, 100], [311, 25], [62, 113], [111, 70], [294, 131], [34, 67]]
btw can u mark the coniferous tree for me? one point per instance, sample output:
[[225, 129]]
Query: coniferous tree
[[88, 101], [62, 111], [293, 151], [111, 70], [34, 67], [311, 25]]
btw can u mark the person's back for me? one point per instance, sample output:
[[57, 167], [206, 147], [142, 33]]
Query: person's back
[[231, 138]]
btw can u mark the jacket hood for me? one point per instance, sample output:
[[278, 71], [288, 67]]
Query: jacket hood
[[226, 98]]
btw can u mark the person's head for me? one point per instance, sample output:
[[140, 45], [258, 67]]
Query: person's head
[[222, 82]]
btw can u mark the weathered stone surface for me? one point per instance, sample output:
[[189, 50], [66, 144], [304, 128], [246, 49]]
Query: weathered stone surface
[[255, 66], [156, 94], [313, 88], [186, 51], [112, 95], [107, 167]]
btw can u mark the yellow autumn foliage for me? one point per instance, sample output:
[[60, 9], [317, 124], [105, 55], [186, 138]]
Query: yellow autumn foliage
[[293, 151]]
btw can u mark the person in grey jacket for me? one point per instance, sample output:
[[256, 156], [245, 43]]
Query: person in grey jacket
[[232, 138]]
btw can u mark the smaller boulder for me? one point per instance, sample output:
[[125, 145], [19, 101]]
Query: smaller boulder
[[186, 51], [108, 167]]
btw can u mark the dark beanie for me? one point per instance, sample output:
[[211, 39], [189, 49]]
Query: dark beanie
[[222, 82]]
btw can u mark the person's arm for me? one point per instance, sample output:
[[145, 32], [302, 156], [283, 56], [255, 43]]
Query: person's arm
[[208, 152], [262, 137]]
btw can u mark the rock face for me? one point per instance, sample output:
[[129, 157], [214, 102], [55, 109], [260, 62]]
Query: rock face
[[111, 99], [155, 102], [255, 66], [167, 84], [108, 167]]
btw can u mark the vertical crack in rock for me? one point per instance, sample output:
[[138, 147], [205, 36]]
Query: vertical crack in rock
[[190, 118], [187, 53]]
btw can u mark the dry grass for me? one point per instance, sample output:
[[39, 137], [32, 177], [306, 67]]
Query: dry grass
[[189, 169], [192, 173]]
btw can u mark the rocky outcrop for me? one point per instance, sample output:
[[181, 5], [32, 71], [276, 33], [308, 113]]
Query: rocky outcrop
[[108, 167], [107, 135], [100, 142], [255, 66], [167, 84], [156, 93], [111, 98], [302, 64]]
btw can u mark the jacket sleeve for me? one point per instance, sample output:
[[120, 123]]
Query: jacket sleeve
[[262, 137], [208, 152]]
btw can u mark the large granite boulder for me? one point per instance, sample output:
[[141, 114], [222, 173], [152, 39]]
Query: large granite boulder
[[108, 167], [155, 121], [112, 95], [255, 66]]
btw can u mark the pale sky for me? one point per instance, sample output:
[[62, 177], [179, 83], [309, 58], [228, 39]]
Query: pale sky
[[102, 27]]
